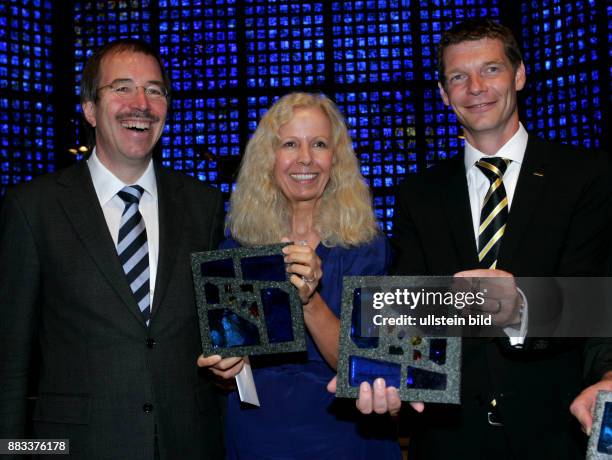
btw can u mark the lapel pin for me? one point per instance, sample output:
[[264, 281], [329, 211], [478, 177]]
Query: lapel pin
[[539, 174]]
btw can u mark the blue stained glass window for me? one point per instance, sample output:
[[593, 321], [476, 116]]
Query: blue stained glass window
[[559, 43], [438, 16], [292, 34], [443, 135], [199, 42], [372, 42], [382, 125], [230, 60], [200, 136], [256, 108], [97, 23], [26, 74]]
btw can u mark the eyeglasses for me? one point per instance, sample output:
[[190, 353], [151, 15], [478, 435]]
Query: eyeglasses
[[127, 89]]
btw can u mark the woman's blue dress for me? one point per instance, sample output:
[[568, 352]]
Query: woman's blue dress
[[298, 417]]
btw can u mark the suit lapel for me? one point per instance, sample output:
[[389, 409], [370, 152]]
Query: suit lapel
[[526, 198], [78, 198], [459, 214], [171, 210]]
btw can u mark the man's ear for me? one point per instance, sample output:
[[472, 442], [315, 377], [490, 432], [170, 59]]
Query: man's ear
[[89, 112], [443, 94], [520, 77]]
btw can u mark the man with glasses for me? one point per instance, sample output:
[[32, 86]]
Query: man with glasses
[[94, 269]]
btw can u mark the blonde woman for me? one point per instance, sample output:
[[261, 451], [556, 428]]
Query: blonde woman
[[299, 181]]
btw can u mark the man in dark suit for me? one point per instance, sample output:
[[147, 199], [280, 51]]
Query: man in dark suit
[[512, 205], [95, 269]]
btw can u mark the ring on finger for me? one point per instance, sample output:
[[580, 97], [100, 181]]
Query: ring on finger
[[308, 281]]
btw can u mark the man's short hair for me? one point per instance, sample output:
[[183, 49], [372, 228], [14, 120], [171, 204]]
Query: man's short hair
[[477, 29], [90, 82]]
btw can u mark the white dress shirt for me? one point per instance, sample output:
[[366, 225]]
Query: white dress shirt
[[107, 185], [478, 185]]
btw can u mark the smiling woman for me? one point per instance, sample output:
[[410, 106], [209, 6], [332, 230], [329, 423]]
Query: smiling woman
[[343, 210], [304, 157], [300, 181]]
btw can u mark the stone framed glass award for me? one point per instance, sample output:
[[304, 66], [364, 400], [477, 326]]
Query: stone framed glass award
[[246, 304], [375, 342], [600, 441]]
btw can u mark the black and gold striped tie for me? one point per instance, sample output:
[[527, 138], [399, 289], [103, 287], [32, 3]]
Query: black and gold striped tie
[[494, 211]]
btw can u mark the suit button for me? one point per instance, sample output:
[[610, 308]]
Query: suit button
[[147, 408], [151, 342]]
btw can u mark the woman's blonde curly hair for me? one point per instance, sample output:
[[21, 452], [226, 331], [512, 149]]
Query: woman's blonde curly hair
[[260, 213]]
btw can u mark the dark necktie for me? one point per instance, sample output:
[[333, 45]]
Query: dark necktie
[[133, 249], [494, 211]]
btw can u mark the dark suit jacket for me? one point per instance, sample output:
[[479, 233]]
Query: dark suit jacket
[[559, 225], [107, 382]]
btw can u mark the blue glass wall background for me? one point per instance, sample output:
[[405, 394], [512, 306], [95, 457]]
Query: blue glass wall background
[[230, 59], [27, 134], [561, 51]]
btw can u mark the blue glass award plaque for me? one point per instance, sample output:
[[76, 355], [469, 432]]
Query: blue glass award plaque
[[246, 304], [600, 441], [378, 338]]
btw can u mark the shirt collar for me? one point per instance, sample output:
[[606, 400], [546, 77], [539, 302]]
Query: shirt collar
[[107, 184], [513, 150]]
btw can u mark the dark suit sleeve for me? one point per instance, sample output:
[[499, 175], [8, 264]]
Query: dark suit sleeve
[[589, 234], [216, 229], [590, 240], [408, 252], [19, 285], [597, 359]]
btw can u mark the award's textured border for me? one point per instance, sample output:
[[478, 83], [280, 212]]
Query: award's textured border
[[297, 317], [452, 366], [592, 453]]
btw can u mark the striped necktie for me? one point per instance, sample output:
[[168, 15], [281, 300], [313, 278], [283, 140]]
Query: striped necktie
[[494, 211], [133, 249]]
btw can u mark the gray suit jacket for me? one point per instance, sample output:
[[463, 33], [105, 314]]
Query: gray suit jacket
[[106, 382]]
